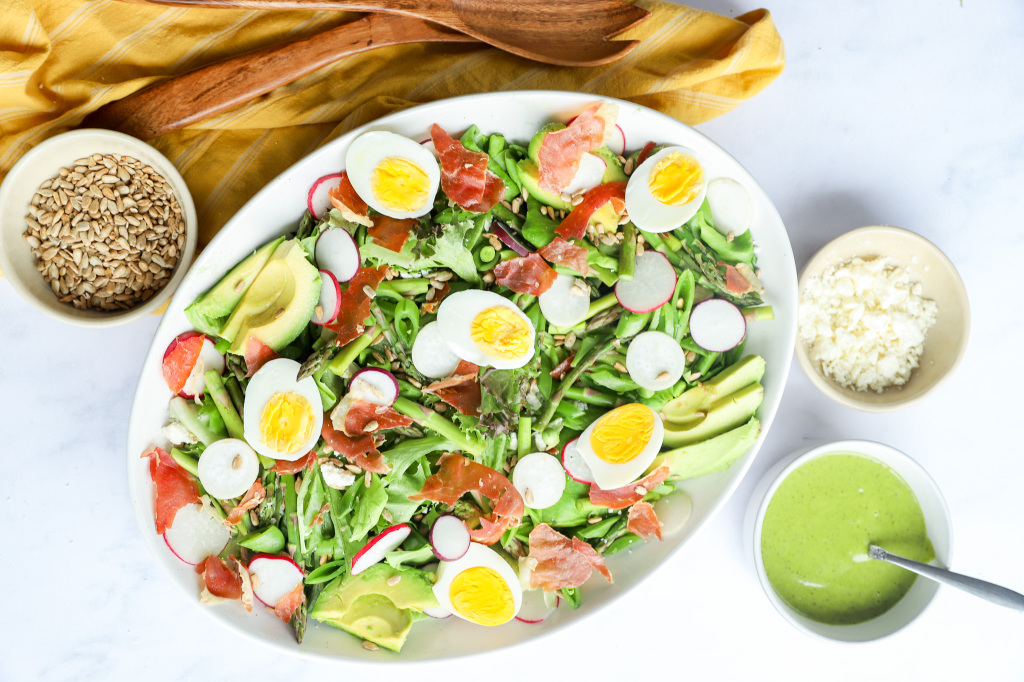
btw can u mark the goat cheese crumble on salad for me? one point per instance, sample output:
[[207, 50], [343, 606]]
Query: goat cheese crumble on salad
[[461, 383]]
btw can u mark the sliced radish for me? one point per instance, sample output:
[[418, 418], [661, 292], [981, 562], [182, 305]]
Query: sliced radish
[[508, 239], [329, 305], [228, 468], [209, 358], [731, 208], [196, 534], [674, 512], [428, 144], [565, 303], [540, 479], [431, 355], [575, 465], [653, 283], [180, 359], [337, 252], [655, 360], [617, 142], [274, 576], [588, 175], [377, 386], [318, 201], [374, 550], [449, 537], [717, 325], [537, 606]]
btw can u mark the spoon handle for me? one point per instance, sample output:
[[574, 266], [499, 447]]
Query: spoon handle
[[979, 588]]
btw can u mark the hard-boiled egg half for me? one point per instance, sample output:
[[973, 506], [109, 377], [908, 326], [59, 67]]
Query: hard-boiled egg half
[[282, 416], [620, 445], [480, 587], [665, 190], [486, 329], [393, 174]]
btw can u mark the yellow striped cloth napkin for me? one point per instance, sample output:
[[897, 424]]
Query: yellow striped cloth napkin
[[61, 59]]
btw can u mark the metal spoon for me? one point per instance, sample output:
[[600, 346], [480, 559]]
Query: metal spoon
[[979, 588]]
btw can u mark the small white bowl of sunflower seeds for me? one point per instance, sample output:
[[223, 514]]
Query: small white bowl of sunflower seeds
[[96, 227]]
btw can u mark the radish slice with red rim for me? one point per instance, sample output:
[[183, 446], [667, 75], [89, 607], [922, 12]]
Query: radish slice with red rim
[[566, 302], [329, 305], [276, 577], [374, 550], [449, 537], [617, 142], [575, 465], [377, 386], [540, 479], [717, 325], [318, 201], [674, 512], [228, 468], [437, 612], [196, 533], [653, 283], [731, 208], [655, 360], [209, 358], [537, 606], [508, 239], [431, 355], [337, 252], [588, 175]]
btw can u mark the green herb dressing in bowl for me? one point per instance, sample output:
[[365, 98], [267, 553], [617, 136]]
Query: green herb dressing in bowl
[[817, 529]]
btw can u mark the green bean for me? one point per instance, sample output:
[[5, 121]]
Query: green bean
[[627, 253], [631, 324], [398, 288]]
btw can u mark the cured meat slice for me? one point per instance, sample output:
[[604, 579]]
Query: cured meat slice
[[175, 488], [461, 390], [285, 467], [562, 252], [525, 275], [218, 579], [575, 224], [391, 233], [250, 500], [286, 605], [457, 475], [560, 151], [363, 413], [257, 354], [179, 359], [645, 152], [360, 450], [562, 368], [643, 521], [556, 561], [430, 307], [355, 304], [464, 175], [740, 279], [348, 203], [626, 496]]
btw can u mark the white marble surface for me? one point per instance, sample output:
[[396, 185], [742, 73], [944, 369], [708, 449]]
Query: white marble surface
[[909, 114]]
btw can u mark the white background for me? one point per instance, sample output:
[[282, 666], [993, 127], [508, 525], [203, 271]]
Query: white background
[[909, 114]]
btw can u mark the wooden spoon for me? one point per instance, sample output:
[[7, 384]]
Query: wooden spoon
[[561, 32], [183, 100]]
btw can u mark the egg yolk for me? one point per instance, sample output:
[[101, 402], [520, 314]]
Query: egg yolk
[[286, 422], [676, 179], [622, 434], [500, 333], [481, 595], [399, 184]]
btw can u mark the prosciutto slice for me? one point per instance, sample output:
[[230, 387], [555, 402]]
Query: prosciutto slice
[[464, 175], [556, 561], [575, 224], [252, 498], [218, 579], [391, 233], [355, 304], [360, 450], [461, 390], [285, 467], [626, 496], [257, 354], [457, 475], [525, 275], [344, 198], [175, 488], [562, 252], [643, 521], [361, 413], [560, 152], [286, 605]]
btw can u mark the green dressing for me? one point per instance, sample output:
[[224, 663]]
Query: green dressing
[[816, 532]]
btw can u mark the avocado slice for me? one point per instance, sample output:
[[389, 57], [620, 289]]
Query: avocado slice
[[714, 454], [533, 151], [378, 605], [210, 311], [529, 176], [278, 304], [741, 374], [723, 415]]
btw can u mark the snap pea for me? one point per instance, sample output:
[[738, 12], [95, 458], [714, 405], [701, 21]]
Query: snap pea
[[631, 324], [269, 540]]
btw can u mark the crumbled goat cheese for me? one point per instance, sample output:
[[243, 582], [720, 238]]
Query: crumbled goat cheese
[[864, 322], [335, 476]]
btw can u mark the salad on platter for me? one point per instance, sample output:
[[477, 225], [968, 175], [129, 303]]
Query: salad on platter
[[465, 379]]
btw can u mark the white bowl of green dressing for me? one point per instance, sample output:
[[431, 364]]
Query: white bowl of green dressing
[[811, 520]]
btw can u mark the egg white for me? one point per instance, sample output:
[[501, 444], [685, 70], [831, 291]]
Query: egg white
[[645, 211], [278, 376], [478, 555], [608, 476], [371, 149], [455, 320]]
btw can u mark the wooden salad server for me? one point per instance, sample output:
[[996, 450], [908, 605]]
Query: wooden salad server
[[183, 100], [560, 32]]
